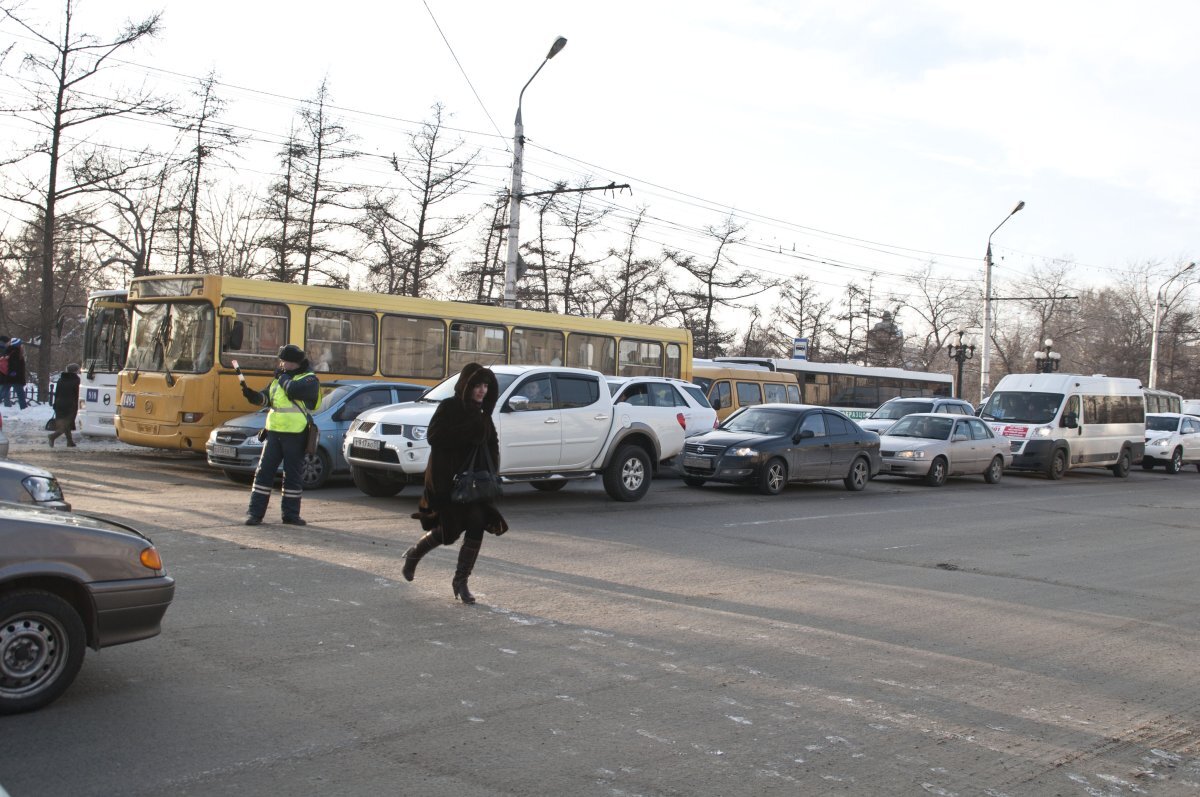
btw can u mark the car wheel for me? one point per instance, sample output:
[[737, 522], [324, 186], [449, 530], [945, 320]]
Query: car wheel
[[859, 475], [550, 486], [937, 472], [374, 485], [773, 477], [41, 649], [314, 470], [239, 477], [1121, 469], [627, 477], [1058, 465], [995, 471], [1175, 463], [692, 481]]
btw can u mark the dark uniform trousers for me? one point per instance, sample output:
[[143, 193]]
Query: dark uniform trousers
[[288, 448]]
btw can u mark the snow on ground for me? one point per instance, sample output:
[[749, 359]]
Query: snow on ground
[[25, 430]]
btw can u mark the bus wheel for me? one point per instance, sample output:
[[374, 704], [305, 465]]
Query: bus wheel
[[375, 486], [1121, 469], [1175, 463], [238, 477], [1058, 465], [314, 472]]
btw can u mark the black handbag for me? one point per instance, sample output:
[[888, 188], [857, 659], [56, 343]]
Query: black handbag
[[474, 483]]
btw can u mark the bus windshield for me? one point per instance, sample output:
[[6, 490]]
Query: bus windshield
[[1022, 407], [105, 340], [174, 336]]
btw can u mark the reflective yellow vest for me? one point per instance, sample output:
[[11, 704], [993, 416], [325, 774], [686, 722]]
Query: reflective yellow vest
[[285, 414]]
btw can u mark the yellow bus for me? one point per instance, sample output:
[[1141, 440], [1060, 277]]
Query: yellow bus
[[730, 386], [178, 383]]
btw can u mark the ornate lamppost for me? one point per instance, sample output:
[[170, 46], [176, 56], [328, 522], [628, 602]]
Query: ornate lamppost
[[1046, 361], [960, 354]]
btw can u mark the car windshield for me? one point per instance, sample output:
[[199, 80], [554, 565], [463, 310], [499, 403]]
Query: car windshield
[[1022, 406], [894, 410], [922, 426], [761, 421], [1161, 423], [446, 389], [332, 395]]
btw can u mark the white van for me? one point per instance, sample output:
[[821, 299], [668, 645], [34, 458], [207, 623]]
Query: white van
[[1059, 421]]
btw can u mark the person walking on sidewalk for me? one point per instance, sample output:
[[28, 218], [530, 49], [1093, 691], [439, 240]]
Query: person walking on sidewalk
[[294, 386], [66, 404], [14, 375], [460, 425]]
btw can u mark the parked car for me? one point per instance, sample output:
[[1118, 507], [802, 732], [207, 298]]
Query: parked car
[[68, 581], [3, 440], [29, 484], [769, 445], [235, 448], [932, 447], [894, 409], [1172, 440], [675, 398]]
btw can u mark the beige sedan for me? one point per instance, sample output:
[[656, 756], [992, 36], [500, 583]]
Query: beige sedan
[[934, 447]]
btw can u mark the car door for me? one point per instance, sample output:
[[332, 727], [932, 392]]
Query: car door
[[843, 442], [1190, 432], [987, 446], [530, 427], [963, 448], [586, 420], [809, 457]]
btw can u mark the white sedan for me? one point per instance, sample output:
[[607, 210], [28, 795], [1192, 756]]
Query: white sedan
[[933, 446], [1172, 440]]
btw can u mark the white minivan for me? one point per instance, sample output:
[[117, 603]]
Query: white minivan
[[1055, 422]]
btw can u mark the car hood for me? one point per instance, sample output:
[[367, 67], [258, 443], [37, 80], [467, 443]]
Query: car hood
[[725, 439], [10, 511], [22, 470], [417, 413], [890, 443], [252, 420], [876, 425], [1154, 434]]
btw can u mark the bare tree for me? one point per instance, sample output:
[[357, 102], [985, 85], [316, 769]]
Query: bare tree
[[573, 270], [482, 280], [802, 312], [944, 307], [326, 142], [211, 140], [61, 103], [284, 199]]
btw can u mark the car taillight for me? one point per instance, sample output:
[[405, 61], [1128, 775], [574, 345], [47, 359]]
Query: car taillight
[[682, 421]]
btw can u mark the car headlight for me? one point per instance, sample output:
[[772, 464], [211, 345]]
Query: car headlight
[[910, 454], [414, 432], [42, 488], [744, 451]]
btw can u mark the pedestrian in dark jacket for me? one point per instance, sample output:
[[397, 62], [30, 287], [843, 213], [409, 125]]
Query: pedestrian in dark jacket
[[14, 376], [294, 386], [66, 404], [460, 425]]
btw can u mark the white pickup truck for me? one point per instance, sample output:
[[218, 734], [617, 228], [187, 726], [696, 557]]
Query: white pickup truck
[[555, 425]]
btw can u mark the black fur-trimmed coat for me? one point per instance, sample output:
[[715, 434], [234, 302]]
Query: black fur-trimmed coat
[[457, 428]]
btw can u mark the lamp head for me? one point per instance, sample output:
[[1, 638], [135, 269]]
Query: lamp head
[[1049, 343], [1020, 205], [560, 43]]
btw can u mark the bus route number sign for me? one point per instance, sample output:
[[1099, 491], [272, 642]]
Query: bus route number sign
[[129, 400]]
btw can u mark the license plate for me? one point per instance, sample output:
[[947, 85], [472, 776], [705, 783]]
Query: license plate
[[224, 451], [702, 463], [129, 400], [367, 442]]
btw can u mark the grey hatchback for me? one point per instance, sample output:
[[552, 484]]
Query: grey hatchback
[[68, 581], [234, 447]]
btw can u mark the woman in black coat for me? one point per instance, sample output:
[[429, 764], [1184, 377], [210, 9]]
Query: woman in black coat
[[460, 425], [66, 404]]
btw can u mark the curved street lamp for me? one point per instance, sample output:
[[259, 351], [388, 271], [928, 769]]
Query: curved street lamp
[[960, 354], [1154, 330], [1047, 361], [514, 200], [985, 358]]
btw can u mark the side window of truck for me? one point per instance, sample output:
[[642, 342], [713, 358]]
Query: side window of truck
[[577, 391]]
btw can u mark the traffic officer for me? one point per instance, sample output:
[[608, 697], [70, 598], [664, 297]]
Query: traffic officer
[[287, 424]]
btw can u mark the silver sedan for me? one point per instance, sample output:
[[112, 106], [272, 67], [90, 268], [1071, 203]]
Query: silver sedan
[[933, 447]]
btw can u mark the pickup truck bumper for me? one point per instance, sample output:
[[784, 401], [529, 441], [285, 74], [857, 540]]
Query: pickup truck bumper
[[399, 455]]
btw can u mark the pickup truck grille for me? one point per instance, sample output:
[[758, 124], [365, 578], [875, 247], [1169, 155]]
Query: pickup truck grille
[[384, 455], [392, 429], [703, 449]]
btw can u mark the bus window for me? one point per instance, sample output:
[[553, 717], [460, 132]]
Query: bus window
[[776, 393], [412, 347], [536, 347], [592, 351], [340, 341], [476, 343], [720, 396], [793, 392], [640, 358], [674, 361], [748, 393], [816, 390], [264, 330]]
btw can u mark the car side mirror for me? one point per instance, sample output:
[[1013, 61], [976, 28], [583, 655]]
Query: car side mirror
[[516, 404], [804, 434], [1070, 420]]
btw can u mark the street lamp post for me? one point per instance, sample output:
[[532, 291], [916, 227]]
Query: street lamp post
[[514, 200], [985, 358], [960, 354], [1046, 361], [1154, 328]]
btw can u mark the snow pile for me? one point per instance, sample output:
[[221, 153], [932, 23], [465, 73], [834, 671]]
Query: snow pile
[[25, 430]]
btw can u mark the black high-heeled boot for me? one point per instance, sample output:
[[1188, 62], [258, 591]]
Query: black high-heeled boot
[[414, 554], [467, 555]]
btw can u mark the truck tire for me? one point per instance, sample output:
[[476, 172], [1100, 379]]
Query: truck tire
[[374, 485], [1058, 465], [1124, 462], [627, 477], [41, 644]]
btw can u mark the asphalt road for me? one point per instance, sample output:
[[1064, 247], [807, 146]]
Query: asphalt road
[[1026, 638]]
